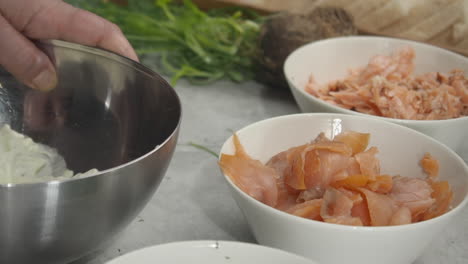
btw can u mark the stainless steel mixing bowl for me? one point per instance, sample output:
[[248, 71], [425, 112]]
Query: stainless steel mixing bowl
[[109, 113]]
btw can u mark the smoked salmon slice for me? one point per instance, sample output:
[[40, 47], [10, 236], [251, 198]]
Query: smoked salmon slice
[[402, 216], [443, 196], [356, 141], [308, 209], [413, 193], [381, 184], [337, 208], [352, 181], [339, 181], [381, 207], [368, 162], [254, 178]]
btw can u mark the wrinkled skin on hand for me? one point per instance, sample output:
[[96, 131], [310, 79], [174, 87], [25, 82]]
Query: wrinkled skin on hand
[[23, 20]]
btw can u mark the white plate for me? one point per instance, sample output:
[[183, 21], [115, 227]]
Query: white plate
[[210, 252]]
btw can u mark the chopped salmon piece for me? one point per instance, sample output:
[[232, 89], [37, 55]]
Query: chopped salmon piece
[[386, 87], [430, 166], [460, 85], [251, 176], [396, 67]]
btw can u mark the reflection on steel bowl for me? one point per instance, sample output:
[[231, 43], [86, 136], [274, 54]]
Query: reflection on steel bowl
[[109, 113]]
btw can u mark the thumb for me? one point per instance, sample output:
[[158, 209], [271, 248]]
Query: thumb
[[24, 60]]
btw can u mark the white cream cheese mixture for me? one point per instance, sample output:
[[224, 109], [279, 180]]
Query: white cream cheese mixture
[[24, 161]]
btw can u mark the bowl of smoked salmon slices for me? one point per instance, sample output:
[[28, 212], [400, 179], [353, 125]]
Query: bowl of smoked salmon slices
[[405, 82], [340, 188]]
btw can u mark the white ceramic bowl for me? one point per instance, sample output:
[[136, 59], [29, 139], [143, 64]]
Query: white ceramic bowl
[[331, 59], [210, 252], [400, 149]]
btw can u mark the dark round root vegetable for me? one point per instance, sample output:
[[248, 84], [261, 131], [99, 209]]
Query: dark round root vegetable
[[282, 33]]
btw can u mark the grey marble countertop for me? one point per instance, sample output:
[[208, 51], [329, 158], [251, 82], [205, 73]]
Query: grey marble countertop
[[193, 201]]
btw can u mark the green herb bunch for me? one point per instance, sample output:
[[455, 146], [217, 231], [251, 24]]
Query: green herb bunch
[[193, 44]]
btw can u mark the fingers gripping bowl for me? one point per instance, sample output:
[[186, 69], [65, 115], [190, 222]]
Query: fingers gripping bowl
[[108, 113], [400, 150], [331, 59]]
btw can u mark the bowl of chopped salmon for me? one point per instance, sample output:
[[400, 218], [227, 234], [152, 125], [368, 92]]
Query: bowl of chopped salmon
[[405, 82], [340, 188]]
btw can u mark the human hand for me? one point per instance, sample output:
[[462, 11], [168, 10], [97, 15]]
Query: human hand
[[21, 20]]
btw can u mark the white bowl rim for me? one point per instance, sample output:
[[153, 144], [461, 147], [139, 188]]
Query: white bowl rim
[[292, 218], [288, 62], [204, 244]]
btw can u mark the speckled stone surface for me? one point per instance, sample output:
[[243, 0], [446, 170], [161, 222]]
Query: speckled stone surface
[[193, 201]]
